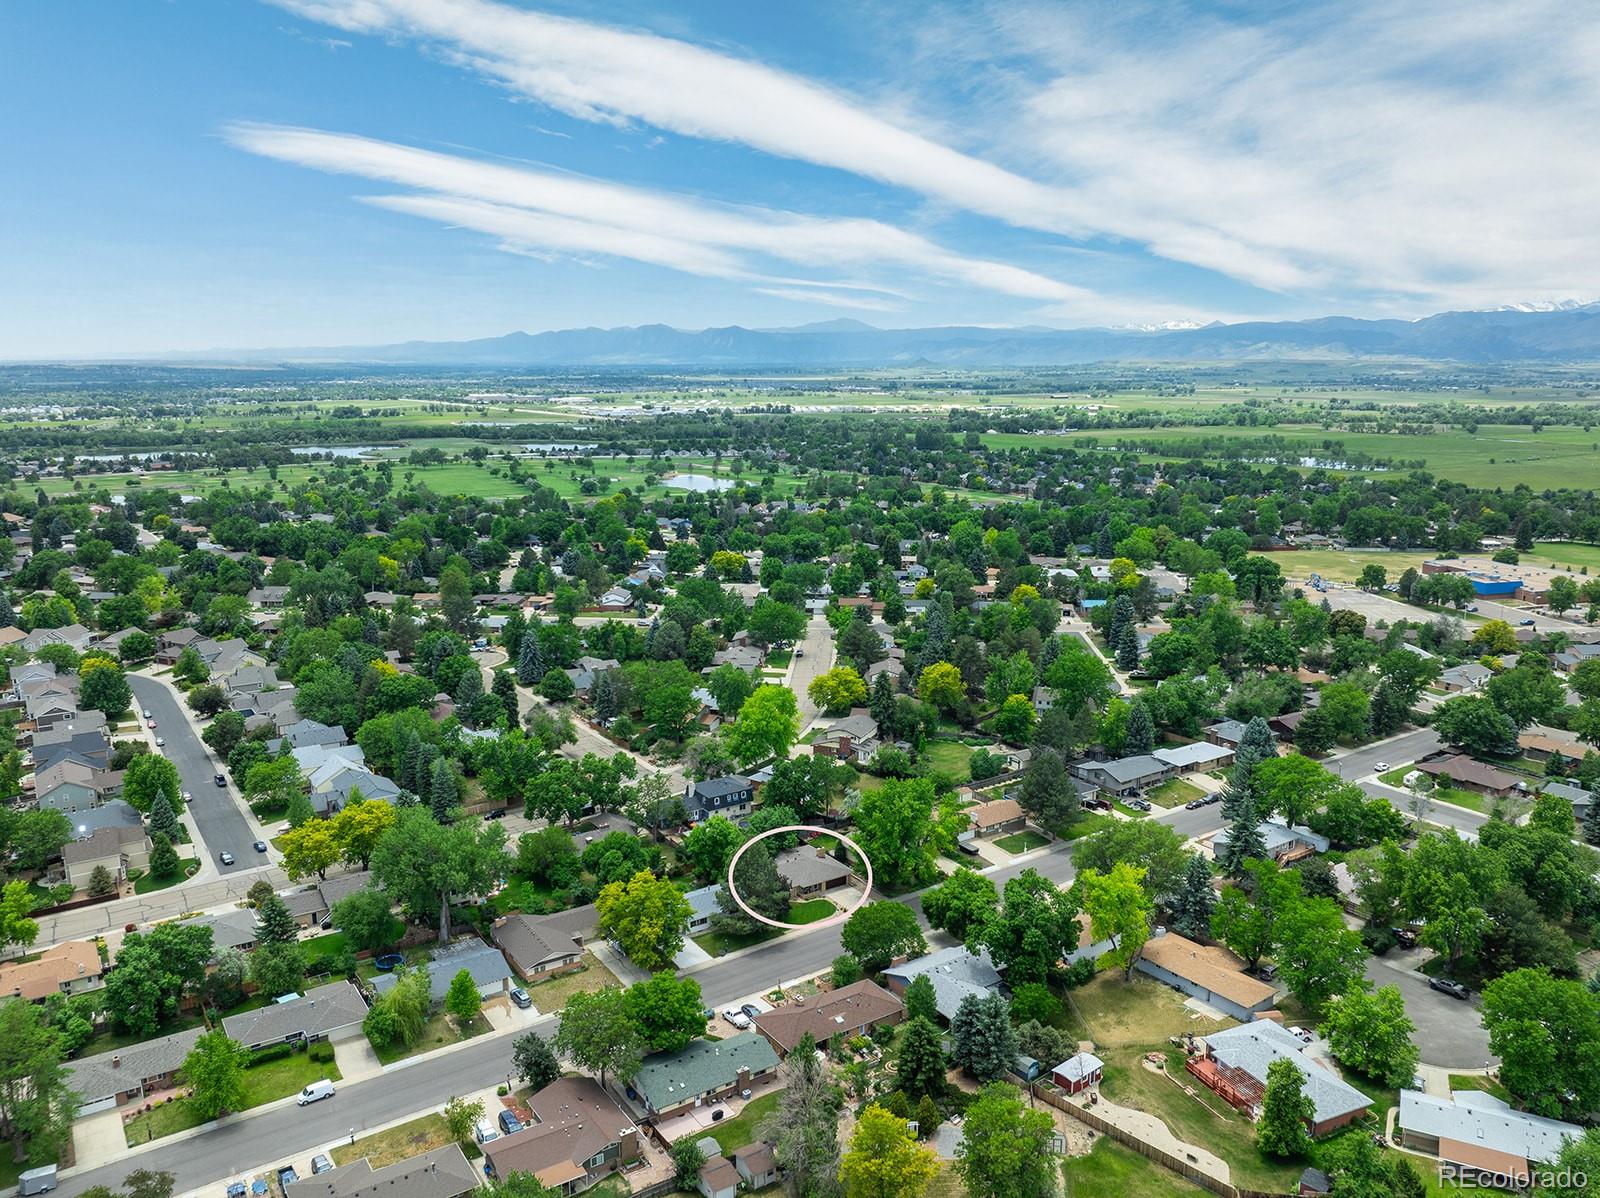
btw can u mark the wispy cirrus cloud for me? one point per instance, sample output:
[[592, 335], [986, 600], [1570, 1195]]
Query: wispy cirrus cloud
[[529, 208]]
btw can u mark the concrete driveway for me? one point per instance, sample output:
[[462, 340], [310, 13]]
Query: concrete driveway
[[98, 1139], [1450, 1032]]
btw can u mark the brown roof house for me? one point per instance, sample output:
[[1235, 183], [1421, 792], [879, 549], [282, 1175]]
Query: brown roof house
[[1460, 770], [1213, 975], [997, 817], [852, 1010], [581, 1135], [537, 949], [69, 968]]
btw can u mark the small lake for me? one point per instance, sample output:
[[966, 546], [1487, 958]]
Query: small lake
[[698, 482]]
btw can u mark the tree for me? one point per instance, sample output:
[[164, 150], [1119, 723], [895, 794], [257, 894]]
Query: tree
[[884, 1159], [359, 827], [687, 1159], [667, 1011], [1119, 910], [147, 776], [556, 686], [15, 904], [596, 1033], [1035, 927], [102, 686], [207, 700], [920, 1064], [767, 725], [462, 1000], [771, 622], [164, 861], [1147, 843], [1372, 578], [1317, 955], [1370, 1033], [647, 916], [366, 920], [838, 690], [1563, 593], [422, 864], [224, 733], [312, 848], [1456, 923], [1014, 722], [1250, 929], [895, 828], [1007, 1149], [1286, 1109], [101, 883], [163, 820], [1546, 1032], [845, 969], [1473, 723], [879, 932], [962, 901], [461, 1118], [1047, 791], [214, 1073], [941, 685], [274, 924], [1141, 735], [401, 1012], [533, 1062], [37, 1105], [921, 1000], [278, 969], [804, 1129], [758, 883], [1194, 903], [983, 1042], [709, 846]]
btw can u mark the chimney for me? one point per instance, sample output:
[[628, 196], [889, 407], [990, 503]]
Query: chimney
[[116, 1061]]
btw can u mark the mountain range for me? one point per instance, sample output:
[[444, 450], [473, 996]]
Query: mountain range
[[1526, 333]]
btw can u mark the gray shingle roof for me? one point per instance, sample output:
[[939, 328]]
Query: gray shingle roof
[[1253, 1046], [315, 1013], [954, 972], [443, 1173], [94, 1078]]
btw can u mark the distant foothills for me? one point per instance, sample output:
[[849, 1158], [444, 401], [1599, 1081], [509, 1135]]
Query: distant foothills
[[1567, 333]]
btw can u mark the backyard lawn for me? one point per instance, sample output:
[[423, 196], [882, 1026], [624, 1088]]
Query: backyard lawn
[[400, 1143], [741, 1130], [1174, 792], [263, 1083], [439, 1031], [1022, 842], [950, 757], [1113, 1169]]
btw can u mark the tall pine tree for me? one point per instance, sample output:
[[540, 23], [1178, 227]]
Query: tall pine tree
[[1128, 649], [442, 790], [274, 924], [1245, 841], [1195, 900], [530, 663], [1141, 734]]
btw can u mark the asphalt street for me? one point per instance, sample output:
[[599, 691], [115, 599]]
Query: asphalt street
[[816, 657], [1450, 1032], [223, 827]]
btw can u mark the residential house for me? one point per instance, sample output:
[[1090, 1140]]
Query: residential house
[[1284, 726], [1469, 676], [1226, 733], [71, 786], [1195, 757], [1125, 775], [729, 796], [117, 848], [1457, 769], [305, 733], [331, 1012], [127, 1074], [1572, 793], [702, 907], [997, 817], [1541, 743], [534, 949], [1078, 1072], [1235, 1066], [580, 1135], [810, 872], [89, 748], [852, 1010], [112, 814], [670, 1083], [954, 972], [1285, 844], [170, 645], [746, 657], [486, 964], [853, 738], [757, 1166], [1570, 659], [69, 968], [1211, 974], [231, 929], [442, 1173], [75, 636], [1480, 1134], [273, 596]]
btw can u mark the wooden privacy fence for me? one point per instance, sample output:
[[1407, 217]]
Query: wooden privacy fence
[[1149, 1151]]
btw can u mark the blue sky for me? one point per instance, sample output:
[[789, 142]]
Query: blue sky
[[187, 174]]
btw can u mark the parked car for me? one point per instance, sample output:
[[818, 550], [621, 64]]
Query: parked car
[[150, 724], [286, 1178], [1194, 804], [161, 742], [321, 1163], [799, 652], [225, 857], [261, 846], [187, 797], [520, 997], [751, 1010], [219, 779], [1417, 1084], [1449, 986], [1405, 937], [315, 1092], [483, 1131], [1139, 804], [1266, 972], [1527, 623], [1302, 1034], [146, 713], [736, 1017], [509, 1123]]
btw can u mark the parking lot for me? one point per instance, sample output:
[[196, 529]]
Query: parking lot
[[1450, 1032]]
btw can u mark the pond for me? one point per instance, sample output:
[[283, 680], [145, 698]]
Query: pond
[[698, 482]]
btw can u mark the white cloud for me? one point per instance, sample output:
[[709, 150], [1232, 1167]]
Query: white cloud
[[530, 208], [1403, 155]]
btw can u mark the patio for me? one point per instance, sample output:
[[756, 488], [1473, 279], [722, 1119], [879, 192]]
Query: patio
[[700, 1119]]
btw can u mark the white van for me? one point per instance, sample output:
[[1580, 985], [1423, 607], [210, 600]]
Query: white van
[[315, 1092], [483, 1131]]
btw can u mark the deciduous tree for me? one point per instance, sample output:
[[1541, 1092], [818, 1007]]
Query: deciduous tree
[[214, 1073]]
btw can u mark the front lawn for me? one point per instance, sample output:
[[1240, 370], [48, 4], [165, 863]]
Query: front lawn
[[149, 883], [553, 994], [1475, 1081], [1084, 823], [1111, 1168], [719, 944], [779, 659], [1024, 841], [1174, 792], [741, 1130], [263, 1083], [440, 1030], [811, 910], [401, 1142]]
